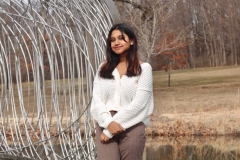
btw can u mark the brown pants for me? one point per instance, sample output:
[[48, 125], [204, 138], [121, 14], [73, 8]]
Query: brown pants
[[128, 145]]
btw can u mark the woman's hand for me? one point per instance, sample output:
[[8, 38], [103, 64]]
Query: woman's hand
[[115, 128], [103, 138]]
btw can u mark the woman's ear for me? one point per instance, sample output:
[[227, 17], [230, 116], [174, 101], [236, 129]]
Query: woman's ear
[[131, 41]]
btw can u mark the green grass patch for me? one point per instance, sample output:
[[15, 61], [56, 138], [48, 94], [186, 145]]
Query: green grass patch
[[194, 77]]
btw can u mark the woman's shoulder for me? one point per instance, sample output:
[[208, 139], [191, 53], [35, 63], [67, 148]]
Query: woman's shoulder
[[145, 65], [146, 68]]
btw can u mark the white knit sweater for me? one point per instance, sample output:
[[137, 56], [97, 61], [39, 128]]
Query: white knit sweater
[[132, 97]]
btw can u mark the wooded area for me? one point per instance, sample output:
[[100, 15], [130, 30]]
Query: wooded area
[[185, 33], [173, 34]]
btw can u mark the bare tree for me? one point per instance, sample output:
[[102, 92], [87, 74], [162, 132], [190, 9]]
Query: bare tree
[[209, 29], [152, 19]]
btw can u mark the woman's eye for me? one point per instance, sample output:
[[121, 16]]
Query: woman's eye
[[112, 40]]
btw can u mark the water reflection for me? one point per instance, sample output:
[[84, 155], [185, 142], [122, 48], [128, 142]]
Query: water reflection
[[173, 148], [192, 148]]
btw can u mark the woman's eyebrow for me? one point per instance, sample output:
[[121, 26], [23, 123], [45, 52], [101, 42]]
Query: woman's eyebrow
[[118, 36]]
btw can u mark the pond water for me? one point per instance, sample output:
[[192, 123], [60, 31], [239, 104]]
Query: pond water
[[185, 148], [192, 148]]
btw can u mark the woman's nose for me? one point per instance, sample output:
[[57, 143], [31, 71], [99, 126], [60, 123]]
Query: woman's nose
[[116, 42]]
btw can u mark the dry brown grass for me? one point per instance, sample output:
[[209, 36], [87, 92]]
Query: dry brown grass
[[199, 102], [203, 102]]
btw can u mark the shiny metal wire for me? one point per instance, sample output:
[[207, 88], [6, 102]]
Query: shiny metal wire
[[49, 52]]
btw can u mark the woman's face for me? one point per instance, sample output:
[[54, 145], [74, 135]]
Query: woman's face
[[118, 45]]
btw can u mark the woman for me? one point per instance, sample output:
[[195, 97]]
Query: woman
[[122, 98]]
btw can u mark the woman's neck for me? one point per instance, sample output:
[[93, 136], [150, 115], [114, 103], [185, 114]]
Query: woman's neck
[[123, 59]]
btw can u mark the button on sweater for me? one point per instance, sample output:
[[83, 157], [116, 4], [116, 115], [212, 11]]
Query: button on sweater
[[131, 97]]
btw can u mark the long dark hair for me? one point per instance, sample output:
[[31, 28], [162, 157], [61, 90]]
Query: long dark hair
[[112, 59]]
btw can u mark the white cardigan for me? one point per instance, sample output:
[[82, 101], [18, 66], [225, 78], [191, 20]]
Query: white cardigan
[[132, 97]]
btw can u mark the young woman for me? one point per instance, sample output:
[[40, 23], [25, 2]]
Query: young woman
[[122, 98]]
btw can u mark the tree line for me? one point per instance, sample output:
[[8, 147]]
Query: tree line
[[185, 33]]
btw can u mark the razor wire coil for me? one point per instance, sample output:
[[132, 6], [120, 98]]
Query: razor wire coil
[[49, 51]]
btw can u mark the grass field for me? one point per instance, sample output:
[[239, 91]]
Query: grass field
[[195, 77], [204, 101]]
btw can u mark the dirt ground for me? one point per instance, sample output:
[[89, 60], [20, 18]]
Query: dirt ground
[[203, 110]]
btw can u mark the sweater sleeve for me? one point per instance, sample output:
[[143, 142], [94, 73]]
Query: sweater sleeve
[[139, 108], [98, 108]]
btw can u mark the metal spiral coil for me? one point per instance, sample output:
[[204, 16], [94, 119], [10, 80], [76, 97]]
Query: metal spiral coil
[[49, 52]]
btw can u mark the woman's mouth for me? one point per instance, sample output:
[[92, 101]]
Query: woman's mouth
[[117, 48]]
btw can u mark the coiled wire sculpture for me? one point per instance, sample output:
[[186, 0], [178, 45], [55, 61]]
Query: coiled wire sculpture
[[49, 51]]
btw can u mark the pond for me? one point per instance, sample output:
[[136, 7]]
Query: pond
[[182, 148], [192, 148]]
